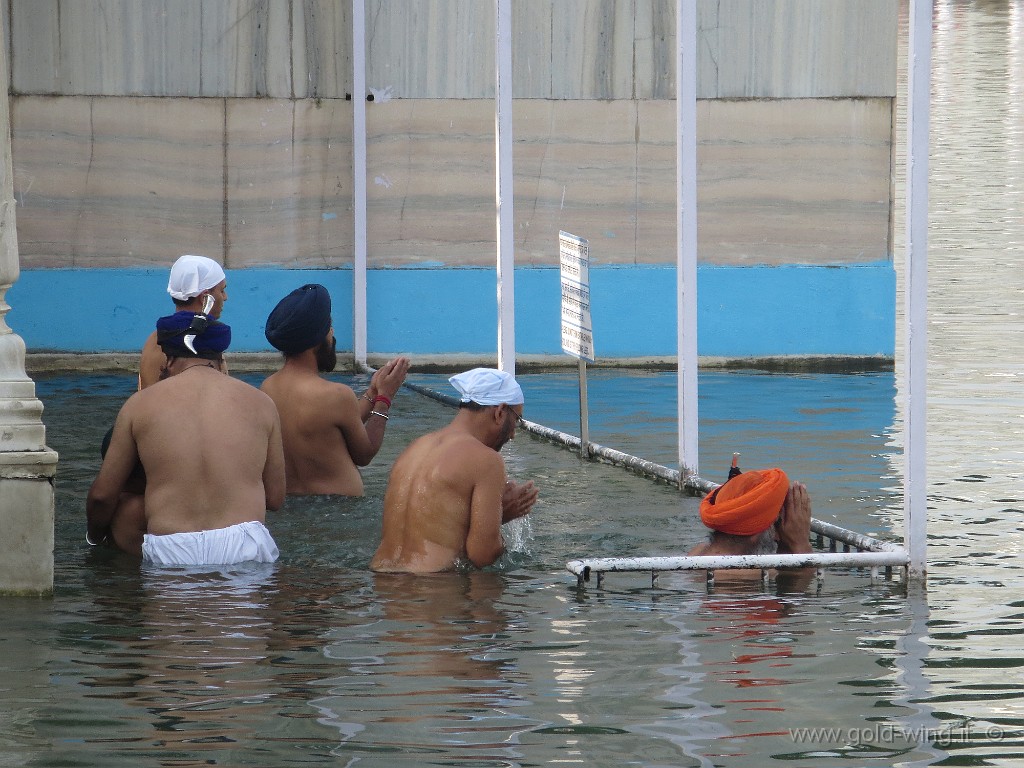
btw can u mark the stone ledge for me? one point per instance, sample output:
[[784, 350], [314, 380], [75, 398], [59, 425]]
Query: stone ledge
[[28, 465], [249, 362]]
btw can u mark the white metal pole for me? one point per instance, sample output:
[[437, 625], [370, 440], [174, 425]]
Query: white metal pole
[[359, 181], [686, 232], [503, 191], [915, 500]]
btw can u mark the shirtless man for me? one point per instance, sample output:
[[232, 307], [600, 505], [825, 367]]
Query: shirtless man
[[758, 512], [328, 432], [192, 279], [210, 446], [448, 495]]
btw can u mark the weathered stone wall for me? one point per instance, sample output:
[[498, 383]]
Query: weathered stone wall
[[142, 130]]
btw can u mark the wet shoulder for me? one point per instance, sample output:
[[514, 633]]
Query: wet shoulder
[[464, 453], [285, 385]]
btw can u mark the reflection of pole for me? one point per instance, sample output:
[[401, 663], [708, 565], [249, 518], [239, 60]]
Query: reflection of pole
[[915, 504], [911, 653], [584, 412], [693, 731], [27, 466]]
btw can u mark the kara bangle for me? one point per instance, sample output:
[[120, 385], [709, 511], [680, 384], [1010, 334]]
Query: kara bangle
[[378, 413], [91, 543]]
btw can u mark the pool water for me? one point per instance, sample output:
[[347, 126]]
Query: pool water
[[317, 660]]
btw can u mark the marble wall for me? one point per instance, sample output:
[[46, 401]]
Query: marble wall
[[257, 182], [569, 49], [143, 130], [194, 48], [780, 181]]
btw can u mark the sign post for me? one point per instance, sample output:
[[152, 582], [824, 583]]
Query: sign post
[[577, 331]]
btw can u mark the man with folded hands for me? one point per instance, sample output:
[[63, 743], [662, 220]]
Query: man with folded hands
[[328, 431], [448, 494], [757, 512]]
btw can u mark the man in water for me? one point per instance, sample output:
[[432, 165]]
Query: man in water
[[328, 432], [448, 495], [192, 279], [211, 449], [757, 512]]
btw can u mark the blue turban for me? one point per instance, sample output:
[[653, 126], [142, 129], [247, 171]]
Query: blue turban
[[209, 337], [301, 320]]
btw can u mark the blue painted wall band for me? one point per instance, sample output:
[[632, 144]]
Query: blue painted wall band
[[742, 311]]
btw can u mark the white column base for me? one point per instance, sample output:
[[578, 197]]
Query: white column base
[[26, 520]]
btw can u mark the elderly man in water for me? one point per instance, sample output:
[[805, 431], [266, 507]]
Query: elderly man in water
[[210, 447], [758, 512], [448, 495]]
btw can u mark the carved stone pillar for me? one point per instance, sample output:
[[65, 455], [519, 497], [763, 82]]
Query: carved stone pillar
[[27, 466]]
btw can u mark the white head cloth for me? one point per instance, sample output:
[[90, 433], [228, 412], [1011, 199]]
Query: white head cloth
[[488, 386], [191, 275]]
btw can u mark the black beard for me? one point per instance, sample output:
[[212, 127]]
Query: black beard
[[326, 356], [507, 431]]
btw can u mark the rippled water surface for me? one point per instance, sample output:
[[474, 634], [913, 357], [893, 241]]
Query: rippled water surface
[[315, 660]]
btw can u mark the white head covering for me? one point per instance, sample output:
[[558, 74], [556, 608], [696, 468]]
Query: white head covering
[[191, 275], [488, 386]]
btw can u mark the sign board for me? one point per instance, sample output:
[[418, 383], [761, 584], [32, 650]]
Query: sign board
[[577, 332]]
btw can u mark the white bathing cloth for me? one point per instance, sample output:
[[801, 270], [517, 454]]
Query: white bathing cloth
[[191, 275], [239, 543], [488, 386]]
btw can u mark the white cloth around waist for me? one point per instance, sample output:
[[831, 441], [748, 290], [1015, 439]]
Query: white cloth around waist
[[243, 542]]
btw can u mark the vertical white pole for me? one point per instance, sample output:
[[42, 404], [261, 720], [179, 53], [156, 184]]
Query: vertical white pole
[[915, 500], [359, 180], [503, 191], [686, 232]]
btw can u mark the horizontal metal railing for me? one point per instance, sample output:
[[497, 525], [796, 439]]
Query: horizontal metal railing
[[875, 561]]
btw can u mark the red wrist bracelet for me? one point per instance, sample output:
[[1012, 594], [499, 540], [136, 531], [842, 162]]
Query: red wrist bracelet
[[381, 399]]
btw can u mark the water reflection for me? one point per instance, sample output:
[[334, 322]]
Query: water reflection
[[432, 674], [171, 663], [975, 403], [325, 661]]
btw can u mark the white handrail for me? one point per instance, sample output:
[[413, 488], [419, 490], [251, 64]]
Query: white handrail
[[585, 566]]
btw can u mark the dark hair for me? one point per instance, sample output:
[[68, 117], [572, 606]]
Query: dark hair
[[473, 406]]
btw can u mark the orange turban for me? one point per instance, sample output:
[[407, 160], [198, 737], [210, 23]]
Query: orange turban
[[747, 504]]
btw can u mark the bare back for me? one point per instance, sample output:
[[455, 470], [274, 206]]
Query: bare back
[[443, 504], [321, 431], [211, 449]]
